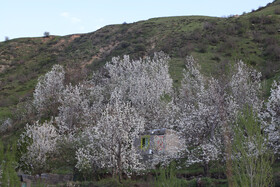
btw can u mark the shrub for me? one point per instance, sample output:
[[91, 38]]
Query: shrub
[[196, 35], [6, 125], [277, 11], [255, 19], [270, 29], [167, 177], [257, 36], [208, 26], [269, 68], [216, 58], [273, 52], [202, 48], [185, 51], [269, 41], [228, 45], [139, 47], [124, 44], [46, 34]]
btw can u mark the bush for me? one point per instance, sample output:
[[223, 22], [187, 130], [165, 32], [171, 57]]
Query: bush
[[273, 52], [208, 25], [261, 19], [167, 177], [216, 58], [139, 47], [46, 34], [124, 44], [255, 19], [185, 51], [212, 39], [270, 29], [268, 69], [269, 41], [196, 34], [228, 45], [202, 48], [6, 125], [277, 11], [257, 36]]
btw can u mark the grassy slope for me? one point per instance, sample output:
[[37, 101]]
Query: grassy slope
[[213, 41]]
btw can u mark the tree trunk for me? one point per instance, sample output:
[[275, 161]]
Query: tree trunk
[[120, 163], [227, 140], [206, 169], [228, 156], [113, 173]]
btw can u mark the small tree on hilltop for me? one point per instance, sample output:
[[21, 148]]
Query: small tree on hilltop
[[46, 34]]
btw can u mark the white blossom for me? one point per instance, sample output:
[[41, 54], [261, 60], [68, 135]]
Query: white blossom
[[80, 106], [40, 141], [273, 117], [199, 120], [111, 142], [208, 106], [245, 86], [48, 90], [145, 83], [6, 125], [205, 152]]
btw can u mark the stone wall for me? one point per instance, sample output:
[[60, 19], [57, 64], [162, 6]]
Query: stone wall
[[45, 178]]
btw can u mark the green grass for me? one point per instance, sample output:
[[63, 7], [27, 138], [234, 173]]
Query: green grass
[[276, 172], [5, 112], [176, 66], [108, 182], [64, 170]]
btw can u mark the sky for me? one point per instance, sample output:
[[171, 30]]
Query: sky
[[31, 18]]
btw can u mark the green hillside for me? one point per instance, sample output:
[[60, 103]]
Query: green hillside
[[252, 37]]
